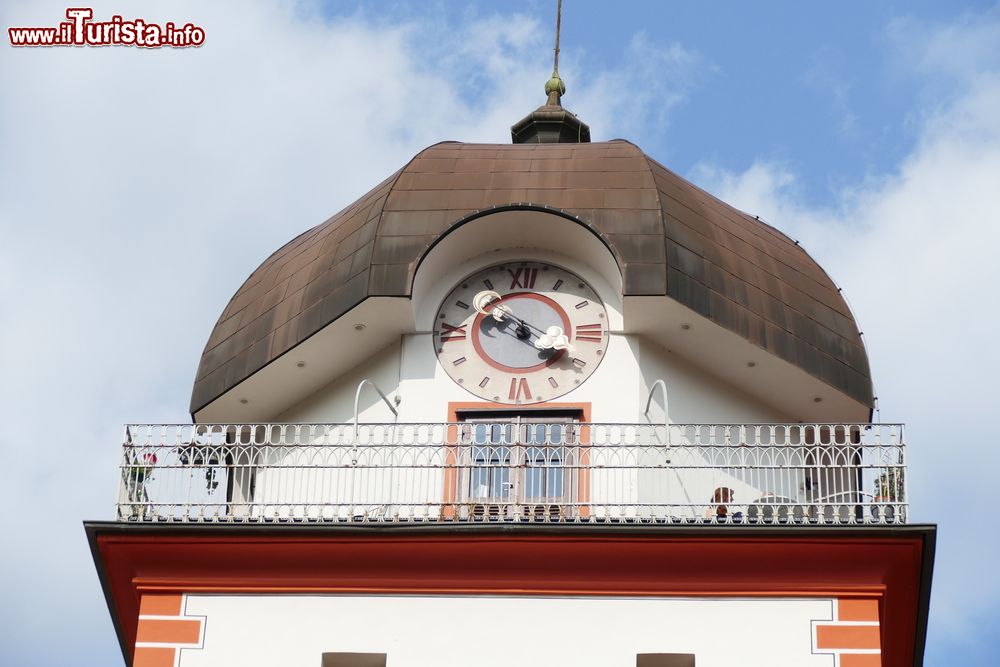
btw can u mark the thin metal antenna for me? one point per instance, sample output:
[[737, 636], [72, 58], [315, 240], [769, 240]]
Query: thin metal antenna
[[555, 65]]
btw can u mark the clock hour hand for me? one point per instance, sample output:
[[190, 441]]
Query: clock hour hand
[[483, 303]]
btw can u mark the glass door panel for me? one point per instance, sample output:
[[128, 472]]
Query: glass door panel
[[520, 463]]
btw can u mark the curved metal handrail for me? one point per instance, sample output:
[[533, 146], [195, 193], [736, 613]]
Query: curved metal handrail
[[649, 400], [385, 399]]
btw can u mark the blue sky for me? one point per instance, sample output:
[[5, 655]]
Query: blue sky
[[138, 189], [807, 83]]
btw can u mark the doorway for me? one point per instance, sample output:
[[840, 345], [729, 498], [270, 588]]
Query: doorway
[[519, 465]]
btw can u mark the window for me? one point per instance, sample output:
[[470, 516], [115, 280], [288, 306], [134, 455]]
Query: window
[[353, 660], [664, 660], [520, 463]]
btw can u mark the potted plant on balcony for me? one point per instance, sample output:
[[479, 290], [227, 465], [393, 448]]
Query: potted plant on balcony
[[888, 489], [889, 486], [136, 475], [144, 468]]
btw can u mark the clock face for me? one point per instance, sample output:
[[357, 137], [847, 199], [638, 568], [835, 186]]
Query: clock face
[[521, 332]]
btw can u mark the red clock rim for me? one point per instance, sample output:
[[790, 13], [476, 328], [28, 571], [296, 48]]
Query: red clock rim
[[567, 327]]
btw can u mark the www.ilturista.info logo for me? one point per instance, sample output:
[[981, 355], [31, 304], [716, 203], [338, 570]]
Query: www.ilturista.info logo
[[80, 30]]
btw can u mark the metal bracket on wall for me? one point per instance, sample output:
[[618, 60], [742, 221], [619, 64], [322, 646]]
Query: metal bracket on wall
[[649, 400], [385, 399]]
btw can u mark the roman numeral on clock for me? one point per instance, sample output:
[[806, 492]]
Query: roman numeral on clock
[[450, 333], [589, 332], [519, 389], [523, 277]]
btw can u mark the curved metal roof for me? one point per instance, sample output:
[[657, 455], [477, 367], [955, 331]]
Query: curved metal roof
[[669, 237]]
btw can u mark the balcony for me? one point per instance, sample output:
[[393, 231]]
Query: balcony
[[513, 471]]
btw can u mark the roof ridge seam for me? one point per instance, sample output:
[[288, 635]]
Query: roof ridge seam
[[389, 191], [659, 210]]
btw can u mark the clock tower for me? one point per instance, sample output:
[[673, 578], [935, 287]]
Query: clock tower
[[538, 403]]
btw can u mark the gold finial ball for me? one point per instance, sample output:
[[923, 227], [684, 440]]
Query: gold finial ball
[[555, 84]]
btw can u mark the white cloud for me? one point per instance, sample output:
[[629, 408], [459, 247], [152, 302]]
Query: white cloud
[[964, 49], [916, 252], [139, 188], [637, 96]]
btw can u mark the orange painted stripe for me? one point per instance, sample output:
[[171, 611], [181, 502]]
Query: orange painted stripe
[[153, 657], [160, 605], [860, 660], [858, 610], [847, 636], [181, 631]]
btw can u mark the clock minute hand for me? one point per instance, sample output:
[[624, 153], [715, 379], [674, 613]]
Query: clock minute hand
[[484, 302], [553, 339]]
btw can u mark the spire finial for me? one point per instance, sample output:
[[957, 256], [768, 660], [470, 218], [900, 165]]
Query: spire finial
[[551, 123], [554, 87]]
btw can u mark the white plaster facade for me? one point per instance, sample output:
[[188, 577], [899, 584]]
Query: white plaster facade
[[493, 631]]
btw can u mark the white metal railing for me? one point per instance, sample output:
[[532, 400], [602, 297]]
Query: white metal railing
[[742, 474]]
